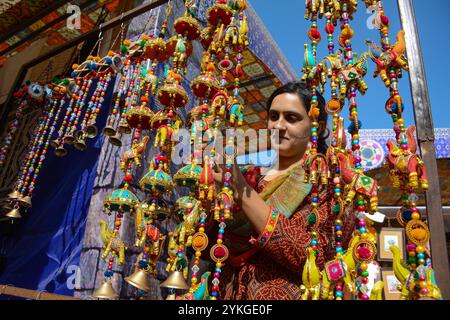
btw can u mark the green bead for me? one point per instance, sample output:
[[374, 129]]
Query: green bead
[[365, 274], [312, 219], [411, 260], [142, 44], [336, 209], [123, 49]]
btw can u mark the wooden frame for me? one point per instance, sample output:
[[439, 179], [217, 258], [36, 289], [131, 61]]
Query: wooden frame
[[391, 283], [388, 237]]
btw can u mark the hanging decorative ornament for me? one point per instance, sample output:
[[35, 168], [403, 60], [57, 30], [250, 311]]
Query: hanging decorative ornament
[[407, 170], [35, 157], [315, 164]]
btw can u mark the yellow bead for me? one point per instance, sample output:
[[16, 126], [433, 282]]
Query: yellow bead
[[201, 229], [194, 279], [415, 216], [219, 265], [423, 284], [363, 266], [364, 235], [198, 254], [219, 241], [420, 249]]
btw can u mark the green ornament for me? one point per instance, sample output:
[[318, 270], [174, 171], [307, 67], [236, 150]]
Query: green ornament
[[142, 44], [123, 49], [411, 260], [312, 219], [337, 208]]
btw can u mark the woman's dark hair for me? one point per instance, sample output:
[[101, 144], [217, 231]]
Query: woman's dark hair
[[303, 91]]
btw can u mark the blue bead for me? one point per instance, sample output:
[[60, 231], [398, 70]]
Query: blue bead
[[215, 293], [227, 184], [218, 270], [336, 190], [339, 294], [221, 231], [362, 230], [338, 228], [314, 242], [180, 255], [420, 256], [339, 249], [314, 129], [315, 199]]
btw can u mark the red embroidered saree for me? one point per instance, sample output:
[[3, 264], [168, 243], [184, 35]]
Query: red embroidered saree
[[274, 271]]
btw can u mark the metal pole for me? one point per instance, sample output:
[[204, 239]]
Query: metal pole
[[425, 136], [91, 34]]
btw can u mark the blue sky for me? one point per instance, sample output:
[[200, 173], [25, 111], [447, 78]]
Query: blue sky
[[285, 20]]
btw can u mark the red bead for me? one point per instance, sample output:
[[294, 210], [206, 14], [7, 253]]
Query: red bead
[[219, 252], [384, 20], [329, 28], [315, 34]]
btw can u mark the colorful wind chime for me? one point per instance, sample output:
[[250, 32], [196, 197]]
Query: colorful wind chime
[[407, 170]]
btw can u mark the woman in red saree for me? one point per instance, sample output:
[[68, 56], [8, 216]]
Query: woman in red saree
[[269, 237]]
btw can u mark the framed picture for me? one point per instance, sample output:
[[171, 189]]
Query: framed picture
[[391, 284], [390, 237]]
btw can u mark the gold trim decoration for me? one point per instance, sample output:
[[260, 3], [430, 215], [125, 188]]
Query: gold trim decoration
[[214, 257], [367, 244], [417, 232]]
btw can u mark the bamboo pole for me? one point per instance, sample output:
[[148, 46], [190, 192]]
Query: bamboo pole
[[425, 137], [31, 294]]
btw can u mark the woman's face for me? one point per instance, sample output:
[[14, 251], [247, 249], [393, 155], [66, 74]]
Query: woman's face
[[289, 116]]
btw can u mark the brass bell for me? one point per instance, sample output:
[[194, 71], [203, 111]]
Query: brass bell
[[91, 131], [109, 131], [15, 195], [80, 143], [124, 128], [25, 201], [14, 214], [69, 138], [105, 291], [176, 281], [115, 140], [139, 279], [60, 151], [54, 143]]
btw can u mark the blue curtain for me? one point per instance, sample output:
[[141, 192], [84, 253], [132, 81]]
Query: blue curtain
[[44, 251]]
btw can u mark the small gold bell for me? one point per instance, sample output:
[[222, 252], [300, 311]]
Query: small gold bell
[[139, 279], [176, 281], [69, 138], [14, 214], [60, 151], [124, 128], [25, 201], [105, 291], [91, 131], [54, 143], [15, 195], [109, 131], [115, 140], [80, 145]]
